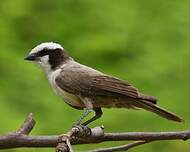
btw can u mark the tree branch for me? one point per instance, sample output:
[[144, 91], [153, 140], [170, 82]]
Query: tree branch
[[83, 135], [121, 148], [27, 126]]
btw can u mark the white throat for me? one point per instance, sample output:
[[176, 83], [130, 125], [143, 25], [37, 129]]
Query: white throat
[[44, 64]]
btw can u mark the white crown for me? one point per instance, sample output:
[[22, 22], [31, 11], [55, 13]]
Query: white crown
[[48, 46]]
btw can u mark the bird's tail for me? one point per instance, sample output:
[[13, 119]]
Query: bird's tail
[[158, 110]]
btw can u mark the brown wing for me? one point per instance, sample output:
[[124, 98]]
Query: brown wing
[[88, 85], [85, 84], [74, 82], [114, 85]]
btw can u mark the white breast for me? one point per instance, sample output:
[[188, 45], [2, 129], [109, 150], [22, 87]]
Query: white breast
[[67, 97]]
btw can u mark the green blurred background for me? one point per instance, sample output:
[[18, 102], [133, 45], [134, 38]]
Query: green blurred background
[[143, 41]]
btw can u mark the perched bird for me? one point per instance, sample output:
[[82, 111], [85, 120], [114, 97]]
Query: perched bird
[[85, 88]]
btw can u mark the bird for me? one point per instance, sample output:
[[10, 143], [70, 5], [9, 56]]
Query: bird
[[87, 89]]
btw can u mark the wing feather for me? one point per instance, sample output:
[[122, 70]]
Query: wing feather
[[99, 85], [111, 84]]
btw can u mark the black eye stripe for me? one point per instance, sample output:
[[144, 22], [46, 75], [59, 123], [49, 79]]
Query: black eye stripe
[[43, 52], [56, 56], [48, 52]]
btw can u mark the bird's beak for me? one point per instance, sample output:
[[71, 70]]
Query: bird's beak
[[31, 57]]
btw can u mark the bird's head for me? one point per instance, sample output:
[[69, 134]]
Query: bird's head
[[48, 55]]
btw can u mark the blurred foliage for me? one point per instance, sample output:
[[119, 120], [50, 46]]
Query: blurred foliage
[[143, 41]]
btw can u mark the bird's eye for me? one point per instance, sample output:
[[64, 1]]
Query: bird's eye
[[43, 52]]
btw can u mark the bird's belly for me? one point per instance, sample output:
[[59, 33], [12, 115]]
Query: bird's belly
[[72, 100]]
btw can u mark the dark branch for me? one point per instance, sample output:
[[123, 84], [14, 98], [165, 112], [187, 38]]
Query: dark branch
[[27, 126], [83, 135], [121, 148]]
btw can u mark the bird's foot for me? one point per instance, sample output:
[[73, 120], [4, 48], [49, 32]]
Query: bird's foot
[[77, 131], [81, 131]]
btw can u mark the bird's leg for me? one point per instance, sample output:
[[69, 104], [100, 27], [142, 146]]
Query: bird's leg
[[98, 114], [85, 113], [89, 109]]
